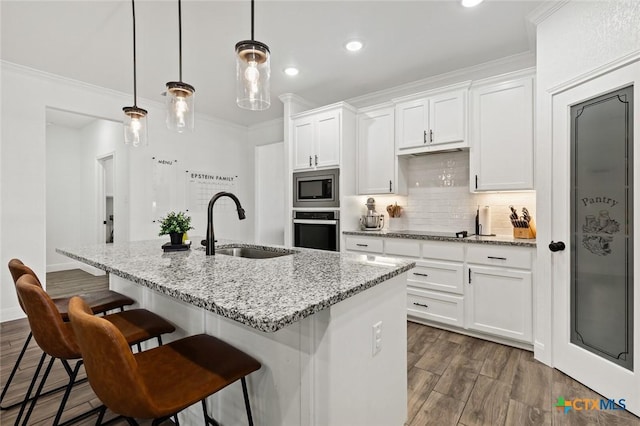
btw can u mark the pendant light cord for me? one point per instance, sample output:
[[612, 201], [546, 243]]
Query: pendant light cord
[[180, 35], [252, 20], [133, 8]]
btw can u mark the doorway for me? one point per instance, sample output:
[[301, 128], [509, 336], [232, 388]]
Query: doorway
[[86, 185], [105, 197], [596, 297]]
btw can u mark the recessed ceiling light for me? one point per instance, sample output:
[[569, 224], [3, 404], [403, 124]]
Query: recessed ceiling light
[[291, 71], [353, 46], [470, 3]]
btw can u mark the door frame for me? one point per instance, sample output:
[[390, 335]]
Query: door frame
[[599, 379], [101, 194]]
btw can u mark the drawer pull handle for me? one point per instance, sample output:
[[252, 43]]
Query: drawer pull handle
[[497, 258], [421, 304], [421, 274], [362, 245]]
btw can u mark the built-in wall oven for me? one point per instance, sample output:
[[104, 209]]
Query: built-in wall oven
[[317, 230], [318, 188]]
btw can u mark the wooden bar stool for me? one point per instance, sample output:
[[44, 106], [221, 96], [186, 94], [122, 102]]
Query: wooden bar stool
[[160, 382], [57, 339], [99, 301]]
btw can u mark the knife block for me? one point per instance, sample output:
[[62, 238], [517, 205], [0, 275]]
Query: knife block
[[526, 233]]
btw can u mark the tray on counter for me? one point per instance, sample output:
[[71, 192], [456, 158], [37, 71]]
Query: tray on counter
[[167, 247]]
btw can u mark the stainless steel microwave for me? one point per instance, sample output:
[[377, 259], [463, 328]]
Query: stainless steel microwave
[[318, 188]]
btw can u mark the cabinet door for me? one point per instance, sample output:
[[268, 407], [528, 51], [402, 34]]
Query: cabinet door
[[499, 302], [413, 119], [327, 140], [303, 144], [376, 152], [502, 136], [447, 118]]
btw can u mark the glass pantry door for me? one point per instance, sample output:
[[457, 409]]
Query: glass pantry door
[[595, 321], [602, 226]]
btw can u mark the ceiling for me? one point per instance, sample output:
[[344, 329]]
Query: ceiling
[[91, 41]]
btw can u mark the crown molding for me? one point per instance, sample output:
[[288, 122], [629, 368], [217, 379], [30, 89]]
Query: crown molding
[[501, 78], [298, 100], [264, 124], [54, 78], [544, 11], [57, 79], [433, 82]]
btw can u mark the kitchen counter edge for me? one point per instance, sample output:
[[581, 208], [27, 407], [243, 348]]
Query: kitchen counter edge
[[490, 240]]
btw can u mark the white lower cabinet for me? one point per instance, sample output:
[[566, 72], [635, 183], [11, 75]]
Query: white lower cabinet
[[435, 306], [499, 302], [499, 293], [480, 288]]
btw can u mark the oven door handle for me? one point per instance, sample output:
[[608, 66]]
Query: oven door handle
[[315, 222]]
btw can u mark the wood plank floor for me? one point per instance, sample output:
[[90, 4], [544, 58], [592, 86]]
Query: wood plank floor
[[452, 379]]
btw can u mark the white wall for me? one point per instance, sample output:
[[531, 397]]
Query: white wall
[[576, 39], [215, 146], [63, 175], [270, 197]]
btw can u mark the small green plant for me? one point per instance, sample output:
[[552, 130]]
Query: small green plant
[[175, 223]]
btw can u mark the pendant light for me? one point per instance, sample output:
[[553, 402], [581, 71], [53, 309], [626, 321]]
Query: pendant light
[[135, 124], [253, 72], [180, 113]]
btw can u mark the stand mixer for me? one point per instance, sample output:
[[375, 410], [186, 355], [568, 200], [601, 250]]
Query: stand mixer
[[372, 221]]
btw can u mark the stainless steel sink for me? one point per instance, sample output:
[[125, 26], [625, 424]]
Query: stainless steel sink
[[252, 252]]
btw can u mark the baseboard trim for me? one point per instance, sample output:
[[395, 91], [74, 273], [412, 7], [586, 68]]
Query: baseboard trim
[[91, 270], [471, 333], [57, 267]]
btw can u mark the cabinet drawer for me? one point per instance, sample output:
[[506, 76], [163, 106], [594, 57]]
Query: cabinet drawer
[[437, 275], [371, 245], [434, 306], [443, 251], [402, 248], [510, 257]]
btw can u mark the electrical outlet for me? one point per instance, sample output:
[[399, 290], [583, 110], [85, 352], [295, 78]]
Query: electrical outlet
[[376, 340]]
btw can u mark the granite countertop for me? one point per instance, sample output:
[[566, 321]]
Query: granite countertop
[[266, 294], [504, 240]]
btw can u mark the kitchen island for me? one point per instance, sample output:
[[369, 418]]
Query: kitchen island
[[310, 317]]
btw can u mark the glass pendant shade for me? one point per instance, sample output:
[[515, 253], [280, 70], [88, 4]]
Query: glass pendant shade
[[135, 126], [180, 106], [253, 73]]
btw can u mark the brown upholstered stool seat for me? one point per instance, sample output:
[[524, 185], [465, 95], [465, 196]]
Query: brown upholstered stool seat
[[99, 301], [138, 325], [57, 339], [179, 373], [159, 382]]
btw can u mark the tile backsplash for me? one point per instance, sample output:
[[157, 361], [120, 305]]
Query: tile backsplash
[[438, 197]]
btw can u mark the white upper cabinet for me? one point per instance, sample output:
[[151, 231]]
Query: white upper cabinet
[[318, 137], [501, 154], [303, 143], [376, 153], [327, 132], [433, 123]]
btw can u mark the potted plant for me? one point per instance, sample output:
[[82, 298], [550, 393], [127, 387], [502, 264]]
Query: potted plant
[[175, 224]]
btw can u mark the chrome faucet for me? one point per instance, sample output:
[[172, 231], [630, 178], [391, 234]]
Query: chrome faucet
[[210, 241]]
